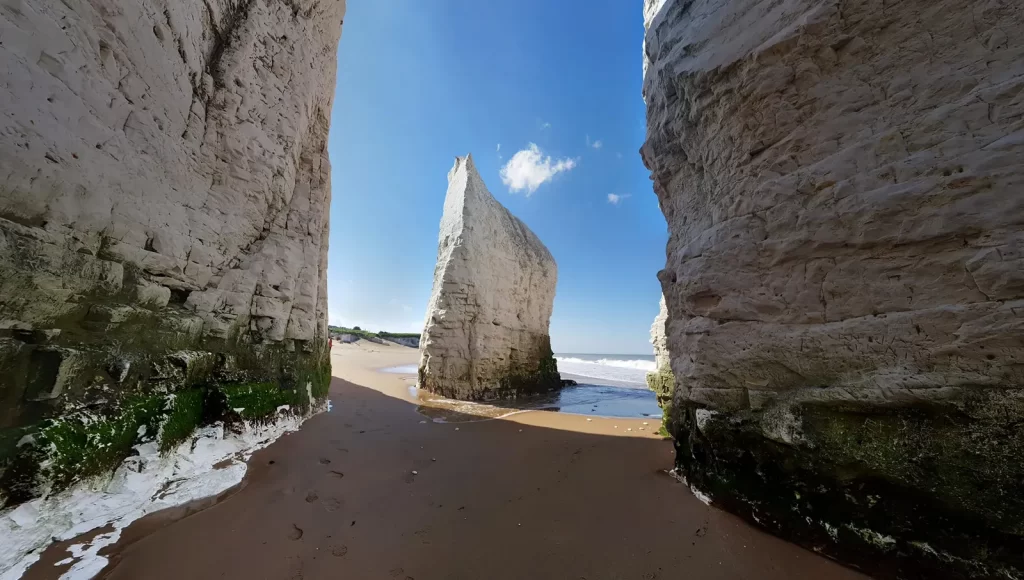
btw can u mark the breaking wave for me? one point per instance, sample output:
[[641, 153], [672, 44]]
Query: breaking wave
[[639, 364], [621, 370]]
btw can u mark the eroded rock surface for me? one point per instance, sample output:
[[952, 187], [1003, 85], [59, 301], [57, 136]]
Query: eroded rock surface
[[486, 333], [661, 380], [845, 277], [163, 207]]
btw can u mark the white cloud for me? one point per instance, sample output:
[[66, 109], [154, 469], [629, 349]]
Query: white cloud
[[499, 147], [595, 144], [614, 198], [545, 125], [528, 169]]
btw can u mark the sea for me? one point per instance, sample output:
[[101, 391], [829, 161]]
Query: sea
[[608, 385]]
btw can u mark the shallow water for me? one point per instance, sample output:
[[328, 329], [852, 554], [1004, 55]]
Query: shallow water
[[598, 397], [596, 400]]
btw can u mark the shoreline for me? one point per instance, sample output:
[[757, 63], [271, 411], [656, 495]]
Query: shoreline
[[377, 489]]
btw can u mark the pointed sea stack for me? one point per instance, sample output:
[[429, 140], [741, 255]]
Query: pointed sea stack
[[486, 333]]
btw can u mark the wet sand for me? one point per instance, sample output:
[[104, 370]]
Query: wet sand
[[374, 489]]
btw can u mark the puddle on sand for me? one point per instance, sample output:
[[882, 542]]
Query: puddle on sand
[[590, 400]]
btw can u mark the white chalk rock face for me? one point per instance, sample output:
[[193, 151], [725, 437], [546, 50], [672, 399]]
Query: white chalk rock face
[[165, 189], [658, 338], [181, 143], [661, 380], [486, 333], [845, 268]]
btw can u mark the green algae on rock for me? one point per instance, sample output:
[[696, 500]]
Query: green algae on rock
[[56, 452], [185, 415], [929, 491]]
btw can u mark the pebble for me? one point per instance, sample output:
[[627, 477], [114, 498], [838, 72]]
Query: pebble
[[456, 428], [414, 472], [589, 420], [629, 429], [645, 422]]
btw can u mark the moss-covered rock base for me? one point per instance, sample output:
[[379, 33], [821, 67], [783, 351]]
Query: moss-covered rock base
[[923, 490], [663, 383], [523, 378], [110, 401]]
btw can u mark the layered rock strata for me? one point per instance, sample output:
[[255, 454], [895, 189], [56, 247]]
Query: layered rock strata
[[163, 223], [845, 276], [486, 333]]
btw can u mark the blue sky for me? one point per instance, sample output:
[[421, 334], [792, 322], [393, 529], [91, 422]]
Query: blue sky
[[420, 82]]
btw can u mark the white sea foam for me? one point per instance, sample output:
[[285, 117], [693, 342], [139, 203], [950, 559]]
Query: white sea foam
[[144, 483], [620, 370], [640, 364]]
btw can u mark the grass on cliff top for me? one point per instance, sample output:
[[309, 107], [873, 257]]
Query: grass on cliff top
[[367, 334]]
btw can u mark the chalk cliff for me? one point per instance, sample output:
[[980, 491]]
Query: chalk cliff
[[486, 333], [163, 222], [845, 276], [661, 380]]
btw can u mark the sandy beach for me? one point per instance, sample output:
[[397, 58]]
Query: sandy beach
[[376, 489]]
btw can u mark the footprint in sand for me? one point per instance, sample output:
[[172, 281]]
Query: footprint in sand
[[339, 551], [325, 461], [337, 474], [331, 504], [296, 533], [311, 497]]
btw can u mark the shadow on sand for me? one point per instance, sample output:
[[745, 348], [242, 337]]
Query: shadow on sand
[[374, 490]]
